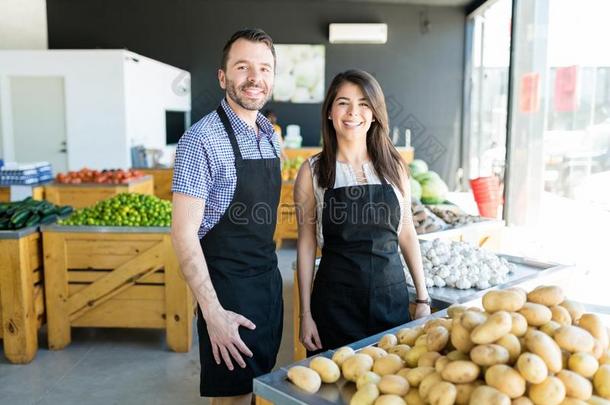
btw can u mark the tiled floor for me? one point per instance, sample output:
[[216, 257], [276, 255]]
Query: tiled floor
[[122, 366]]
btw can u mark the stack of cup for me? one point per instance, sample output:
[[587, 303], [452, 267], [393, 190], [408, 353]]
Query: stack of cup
[[486, 192]]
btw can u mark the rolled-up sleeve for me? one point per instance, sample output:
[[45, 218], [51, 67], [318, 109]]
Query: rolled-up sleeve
[[193, 170]]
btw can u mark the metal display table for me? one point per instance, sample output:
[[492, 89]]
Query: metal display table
[[276, 388]]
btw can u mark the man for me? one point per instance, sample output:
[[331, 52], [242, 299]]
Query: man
[[226, 191]]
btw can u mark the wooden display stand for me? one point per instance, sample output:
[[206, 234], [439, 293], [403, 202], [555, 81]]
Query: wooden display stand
[[5, 193], [21, 293], [287, 220], [163, 181], [86, 195], [115, 277]]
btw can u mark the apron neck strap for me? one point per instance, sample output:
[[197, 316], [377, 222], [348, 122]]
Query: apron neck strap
[[232, 138]]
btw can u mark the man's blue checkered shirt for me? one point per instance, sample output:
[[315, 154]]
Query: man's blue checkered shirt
[[205, 164]]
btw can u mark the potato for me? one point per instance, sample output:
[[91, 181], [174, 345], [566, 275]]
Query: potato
[[341, 354], [428, 359], [442, 393], [488, 396], [460, 337], [605, 359], [594, 325], [550, 328], [519, 290], [595, 400], [412, 357], [576, 385], [583, 363], [413, 398], [546, 295], [403, 372], [441, 363], [387, 341], [549, 392], [601, 381], [407, 336], [545, 347], [461, 371], [433, 323], [572, 401], [328, 369], [489, 355], [532, 368], [511, 343], [393, 384], [519, 324], [400, 349], [575, 309], [367, 378], [389, 400], [598, 349], [457, 355], [497, 325], [505, 379], [522, 401], [374, 352], [561, 315], [389, 364], [437, 338], [427, 383], [471, 319], [464, 391], [422, 340], [353, 367], [503, 300], [416, 375], [574, 339], [536, 314], [455, 310], [366, 395], [305, 378]]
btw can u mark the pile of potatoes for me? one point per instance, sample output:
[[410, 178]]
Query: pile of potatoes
[[523, 348]]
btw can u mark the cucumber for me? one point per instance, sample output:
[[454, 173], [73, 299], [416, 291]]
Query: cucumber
[[5, 223], [65, 210], [48, 210], [49, 219], [33, 220], [20, 216]]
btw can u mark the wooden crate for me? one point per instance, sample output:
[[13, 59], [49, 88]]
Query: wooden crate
[[21, 293], [115, 277], [86, 195], [5, 193], [162, 181]]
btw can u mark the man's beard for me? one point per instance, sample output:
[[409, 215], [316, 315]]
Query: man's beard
[[244, 102]]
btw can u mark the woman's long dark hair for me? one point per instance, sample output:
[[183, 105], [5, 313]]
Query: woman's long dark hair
[[385, 158]]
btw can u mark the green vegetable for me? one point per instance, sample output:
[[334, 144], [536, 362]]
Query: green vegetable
[[422, 177], [415, 189], [434, 190], [418, 166], [33, 220]]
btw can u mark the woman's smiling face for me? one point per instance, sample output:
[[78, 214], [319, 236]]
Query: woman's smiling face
[[351, 112]]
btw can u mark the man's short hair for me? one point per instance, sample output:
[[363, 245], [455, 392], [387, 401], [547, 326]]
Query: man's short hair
[[250, 34]]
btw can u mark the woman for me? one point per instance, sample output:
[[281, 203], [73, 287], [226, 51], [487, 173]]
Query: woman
[[353, 200]]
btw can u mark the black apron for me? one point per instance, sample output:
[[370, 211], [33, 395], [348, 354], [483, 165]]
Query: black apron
[[360, 287], [240, 254]]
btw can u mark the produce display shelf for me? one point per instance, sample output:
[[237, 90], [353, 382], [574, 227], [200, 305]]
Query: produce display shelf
[[275, 387], [138, 180], [22, 306], [486, 233], [125, 277]]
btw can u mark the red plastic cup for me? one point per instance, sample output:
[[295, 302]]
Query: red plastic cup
[[486, 191]]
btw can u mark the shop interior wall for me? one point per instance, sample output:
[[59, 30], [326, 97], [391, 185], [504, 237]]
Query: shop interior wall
[[420, 68]]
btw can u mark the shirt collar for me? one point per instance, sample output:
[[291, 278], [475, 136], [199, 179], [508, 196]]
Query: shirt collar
[[240, 127]]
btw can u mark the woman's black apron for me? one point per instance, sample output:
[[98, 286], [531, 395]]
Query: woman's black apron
[[360, 287], [241, 259]]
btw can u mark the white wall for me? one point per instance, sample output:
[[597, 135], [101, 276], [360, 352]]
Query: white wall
[[23, 24], [94, 93], [151, 88]]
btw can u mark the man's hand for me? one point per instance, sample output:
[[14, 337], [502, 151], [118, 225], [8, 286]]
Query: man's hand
[[223, 329]]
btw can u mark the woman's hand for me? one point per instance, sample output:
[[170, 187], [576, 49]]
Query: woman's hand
[[309, 333], [421, 310]]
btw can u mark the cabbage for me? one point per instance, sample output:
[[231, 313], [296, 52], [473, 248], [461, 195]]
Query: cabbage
[[418, 166], [434, 190], [423, 177], [415, 189]]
